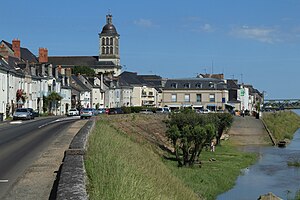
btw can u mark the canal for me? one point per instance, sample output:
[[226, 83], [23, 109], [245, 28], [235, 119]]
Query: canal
[[270, 174]]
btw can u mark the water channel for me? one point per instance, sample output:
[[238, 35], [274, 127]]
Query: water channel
[[270, 174]]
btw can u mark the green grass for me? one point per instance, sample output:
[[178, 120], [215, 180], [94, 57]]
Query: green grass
[[119, 168], [282, 124], [214, 177]]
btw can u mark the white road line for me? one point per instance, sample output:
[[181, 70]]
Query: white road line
[[58, 120], [3, 181], [16, 122]]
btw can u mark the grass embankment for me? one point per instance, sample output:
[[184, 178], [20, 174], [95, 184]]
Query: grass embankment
[[119, 168], [123, 166], [282, 124]]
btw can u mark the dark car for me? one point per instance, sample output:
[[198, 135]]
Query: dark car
[[22, 113], [33, 113], [115, 111]]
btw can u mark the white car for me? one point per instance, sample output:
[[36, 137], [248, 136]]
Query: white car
[[73, 112]]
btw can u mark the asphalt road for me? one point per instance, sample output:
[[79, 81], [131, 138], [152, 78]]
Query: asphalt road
[[22, 142]]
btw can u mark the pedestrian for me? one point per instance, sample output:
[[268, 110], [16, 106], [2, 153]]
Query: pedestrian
[[212, 146]]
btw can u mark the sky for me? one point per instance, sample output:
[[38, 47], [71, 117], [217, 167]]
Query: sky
[[254, 41]]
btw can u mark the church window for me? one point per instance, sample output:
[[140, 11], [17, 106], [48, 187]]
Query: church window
[[107, 41], [111, 50], [107, 50], [111, 41], [103, 41], [103, 50]]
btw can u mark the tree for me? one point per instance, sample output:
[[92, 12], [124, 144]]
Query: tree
[[222, 122], [189, 133], [53, 100], [83, 70]]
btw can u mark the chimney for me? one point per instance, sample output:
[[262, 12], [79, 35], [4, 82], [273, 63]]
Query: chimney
[[43, 55], [16, 46]]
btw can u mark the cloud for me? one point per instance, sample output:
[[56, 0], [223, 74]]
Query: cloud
[[146, 23], [262, 34]]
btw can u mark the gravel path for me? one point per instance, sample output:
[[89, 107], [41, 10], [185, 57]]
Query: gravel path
[[248, 131], [37, 181]]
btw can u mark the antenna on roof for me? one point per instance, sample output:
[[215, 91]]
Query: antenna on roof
[[212, 66], [109, 11], [242, 78]]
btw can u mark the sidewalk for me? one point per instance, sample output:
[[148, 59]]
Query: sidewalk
[[248, 131]]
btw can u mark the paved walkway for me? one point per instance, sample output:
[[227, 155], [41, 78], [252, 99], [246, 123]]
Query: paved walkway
[[248, 131]]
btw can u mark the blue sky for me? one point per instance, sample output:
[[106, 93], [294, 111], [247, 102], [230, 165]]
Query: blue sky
[[254, 41]]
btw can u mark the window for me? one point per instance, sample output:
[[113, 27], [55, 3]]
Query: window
[[186, 85], [107, 41], [199, 98], [103, 41], [212, 98], [186, 98], [150, 93], [211, 85], [173, 85], [111, 41], [111, 50], [174, 98], [198, 85]]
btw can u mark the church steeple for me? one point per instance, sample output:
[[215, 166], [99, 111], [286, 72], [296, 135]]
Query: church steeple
[[109, 42]]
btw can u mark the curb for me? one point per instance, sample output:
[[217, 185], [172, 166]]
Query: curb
[[72, 180]]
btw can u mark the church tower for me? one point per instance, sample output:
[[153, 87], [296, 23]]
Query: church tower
[[109, 42]]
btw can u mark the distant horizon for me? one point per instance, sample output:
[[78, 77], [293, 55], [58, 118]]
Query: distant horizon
[[256, 42]]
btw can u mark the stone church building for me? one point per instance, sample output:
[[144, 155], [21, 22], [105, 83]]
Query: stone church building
[[108, 60]]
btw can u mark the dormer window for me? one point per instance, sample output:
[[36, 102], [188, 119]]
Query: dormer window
[[211, 85], [173, 85], [186, 85], [198, 85]]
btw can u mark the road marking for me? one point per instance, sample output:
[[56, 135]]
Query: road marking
[[3, 181], [59, 120], [16, 122]]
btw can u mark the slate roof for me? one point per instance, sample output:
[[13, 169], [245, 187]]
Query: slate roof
[[88, 61], [131, 78], [77, 84], [26, 55], [194, 82], [232, 84]]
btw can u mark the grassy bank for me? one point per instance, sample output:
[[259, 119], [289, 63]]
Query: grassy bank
[[123, 167], [119, 168], [282, 124], [214, 177]]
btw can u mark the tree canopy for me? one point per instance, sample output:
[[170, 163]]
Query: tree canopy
[[190, 132], [83, 70]]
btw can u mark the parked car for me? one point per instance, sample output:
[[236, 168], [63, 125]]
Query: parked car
[[73, 112], [101, 111], [146, 111], [33, 113], [22, 113], [163, 110], [115, 111], [87, 113]]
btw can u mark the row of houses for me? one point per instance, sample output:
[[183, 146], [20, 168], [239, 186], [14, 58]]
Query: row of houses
[[26, 80]]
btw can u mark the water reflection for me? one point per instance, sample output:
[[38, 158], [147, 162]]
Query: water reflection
[[270, 174]]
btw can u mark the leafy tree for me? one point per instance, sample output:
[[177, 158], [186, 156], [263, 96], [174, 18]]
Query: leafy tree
[[189, 134], [222, 122], [83, 70], [53, 100]]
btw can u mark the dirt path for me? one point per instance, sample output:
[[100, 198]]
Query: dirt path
[[248, 131]]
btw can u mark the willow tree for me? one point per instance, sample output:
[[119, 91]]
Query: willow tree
[[189, 134]]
